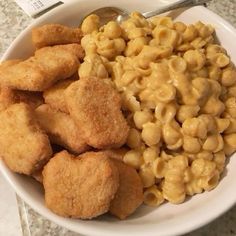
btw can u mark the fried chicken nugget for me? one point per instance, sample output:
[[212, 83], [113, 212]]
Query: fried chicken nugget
[[95, 106], [7, 97], [61, 129], [24, 146], [129, 195], [33, 99], [54, 34], [46, 67], [116, 153], [80, 187], [8, 63], [10, 96], [54, 96]]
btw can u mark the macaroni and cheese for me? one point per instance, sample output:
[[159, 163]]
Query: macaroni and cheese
[[178, 90]]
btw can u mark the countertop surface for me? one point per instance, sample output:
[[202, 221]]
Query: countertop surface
[[12, 21], [10, 224]]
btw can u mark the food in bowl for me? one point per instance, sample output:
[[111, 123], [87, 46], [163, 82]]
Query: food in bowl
[[175, 86]]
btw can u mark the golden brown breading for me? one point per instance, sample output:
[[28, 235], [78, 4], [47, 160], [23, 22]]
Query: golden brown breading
[[61, 129], [10, 96], [116, 153], [7, 63], [95, 106], [54, 34], [7, 97], [34, 99], [129, 195], [80, 187], [24, 146], [54, 96], [41, 71]]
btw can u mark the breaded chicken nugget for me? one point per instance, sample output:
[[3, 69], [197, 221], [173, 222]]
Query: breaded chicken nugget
[[34, 99], [80, 187], [54, 34], [7, 63], [116, 153], [129, 195], [54, 96], [24, 146], [9, 96], [95, 106], [61, 129], [46, 67]]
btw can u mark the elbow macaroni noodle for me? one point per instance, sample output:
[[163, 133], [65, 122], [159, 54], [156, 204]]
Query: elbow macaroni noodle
[[178, 90]]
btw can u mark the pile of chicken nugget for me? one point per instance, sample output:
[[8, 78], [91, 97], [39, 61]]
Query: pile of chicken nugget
[[67, 132]]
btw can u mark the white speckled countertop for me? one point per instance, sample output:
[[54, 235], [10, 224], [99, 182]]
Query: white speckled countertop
[[12, 21]]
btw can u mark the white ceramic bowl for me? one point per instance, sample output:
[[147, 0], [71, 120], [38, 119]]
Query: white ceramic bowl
[[167, 219]]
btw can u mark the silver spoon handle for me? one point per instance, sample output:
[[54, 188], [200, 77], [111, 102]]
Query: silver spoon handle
[[178, 4]]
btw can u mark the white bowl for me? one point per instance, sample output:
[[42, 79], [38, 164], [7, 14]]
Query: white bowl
[[167, 219]]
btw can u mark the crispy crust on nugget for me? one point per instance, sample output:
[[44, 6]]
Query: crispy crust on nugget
[[33, 99], [80, 187], [54, 96], [129, 195], [54, 34], [47, 66], [24, 146], [7, 97], [61, 129], [11, 62], [10, 96], [116, 153], [95, 106]]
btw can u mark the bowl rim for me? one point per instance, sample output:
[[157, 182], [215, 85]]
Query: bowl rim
[[84, 229]]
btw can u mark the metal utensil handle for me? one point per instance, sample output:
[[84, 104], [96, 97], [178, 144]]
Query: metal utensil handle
[[178, 4]]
